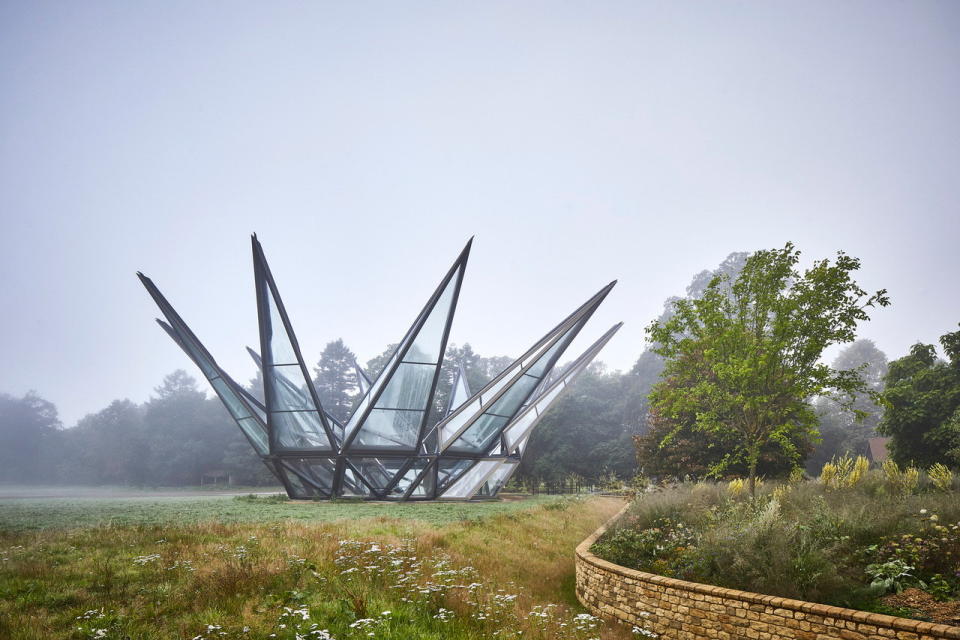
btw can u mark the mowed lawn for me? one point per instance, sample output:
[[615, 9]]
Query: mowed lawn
[[225, 567]]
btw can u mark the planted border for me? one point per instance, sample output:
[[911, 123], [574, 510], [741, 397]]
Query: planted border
[[671, 608]]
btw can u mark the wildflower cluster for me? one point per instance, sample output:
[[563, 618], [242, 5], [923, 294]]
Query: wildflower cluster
[[928, 558], [663, 548]]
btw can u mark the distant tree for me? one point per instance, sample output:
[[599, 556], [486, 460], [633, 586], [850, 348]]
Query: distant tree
[[336, 379], [187, 433], [745, 361], [376, 364], [923, 413], [107, 447], [846, 429], [27, 424], [255, 386], [583, 434]]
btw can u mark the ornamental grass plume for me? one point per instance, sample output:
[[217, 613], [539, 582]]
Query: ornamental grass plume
[[940, 476], [903, 481], [736, 487], [829, 475]]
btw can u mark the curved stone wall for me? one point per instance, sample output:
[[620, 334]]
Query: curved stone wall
[[684, 610]]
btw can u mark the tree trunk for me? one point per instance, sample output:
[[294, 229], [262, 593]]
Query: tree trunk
[[753, 458]]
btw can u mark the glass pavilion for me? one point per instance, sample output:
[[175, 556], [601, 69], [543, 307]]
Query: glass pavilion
[[395, 445]]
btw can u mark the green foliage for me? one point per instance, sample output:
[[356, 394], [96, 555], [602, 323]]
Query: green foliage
[[892, 576], [335, 379], [798, 541], [940, 476], [923, 416], [26, 425], [743, 358], [845, 430], [62, 513]]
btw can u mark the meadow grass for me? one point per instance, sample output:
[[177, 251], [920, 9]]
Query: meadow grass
[[262, 568], [20, 514], [840, 545]]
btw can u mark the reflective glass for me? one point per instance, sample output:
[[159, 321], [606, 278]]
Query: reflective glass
[[319, 471], [352, 485], [288, 389], [299, 430], [424, 488], [449, 470], [280, 344], [459, 394], [428, 344], [540, 365], [480, 434], [232, 401], [193, 349], [465, 486], [513, 397], [408, 388], [523, 423], [387, 428], [300, 488], [256, 433], [379, 472]]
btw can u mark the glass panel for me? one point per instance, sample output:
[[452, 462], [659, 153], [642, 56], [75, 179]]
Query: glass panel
[[387, 428], [449, 428], [428, 345], [232, 401], [299, 430], [498, 478], [511, 400], [423, 489], [256, 433], [318, 470], [300, 489], [492, 391], [289, 391], [379, 472], [277, 334], [539, 367], [460, 392], [522, 424], [408, 388], [480, 434], [352, 485], [449, 470], [193, 349], [465, 486]]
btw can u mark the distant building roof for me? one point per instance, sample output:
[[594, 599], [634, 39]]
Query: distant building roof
[[877, 449]]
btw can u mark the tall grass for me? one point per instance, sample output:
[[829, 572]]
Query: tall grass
[[507, 574], [806, 540]]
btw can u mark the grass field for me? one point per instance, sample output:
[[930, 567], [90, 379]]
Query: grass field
[[224, 567], [40, 513]]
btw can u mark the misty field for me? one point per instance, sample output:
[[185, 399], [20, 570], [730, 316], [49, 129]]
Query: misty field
[[260, 567], [22, 514]]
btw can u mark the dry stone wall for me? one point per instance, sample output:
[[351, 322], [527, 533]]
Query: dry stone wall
[[671, 608]]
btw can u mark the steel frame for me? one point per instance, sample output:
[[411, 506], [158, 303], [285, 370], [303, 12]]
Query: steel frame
[[338, 464]]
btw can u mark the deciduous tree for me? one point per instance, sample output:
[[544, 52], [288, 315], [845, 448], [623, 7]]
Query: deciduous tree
[[744, 357]]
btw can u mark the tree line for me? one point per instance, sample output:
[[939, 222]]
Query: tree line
[[733, 383]]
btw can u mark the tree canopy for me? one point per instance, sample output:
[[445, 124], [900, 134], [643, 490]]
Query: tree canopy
[[743, 359], [923, 413]]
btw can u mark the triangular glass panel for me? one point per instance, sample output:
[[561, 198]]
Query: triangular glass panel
[[393, 412], [294, 414], [246, 417]]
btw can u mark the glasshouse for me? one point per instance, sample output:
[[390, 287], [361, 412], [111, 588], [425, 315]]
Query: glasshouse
[[397, 443]]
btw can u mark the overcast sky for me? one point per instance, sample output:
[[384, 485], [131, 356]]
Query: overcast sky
[[366, 142]]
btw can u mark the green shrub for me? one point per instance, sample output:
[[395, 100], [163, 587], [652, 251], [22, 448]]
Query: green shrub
[[805, 540]]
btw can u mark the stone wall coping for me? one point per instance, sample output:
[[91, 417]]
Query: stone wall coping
[[584, 554]]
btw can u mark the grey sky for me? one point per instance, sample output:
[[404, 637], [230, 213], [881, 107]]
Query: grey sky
[[365, 142]]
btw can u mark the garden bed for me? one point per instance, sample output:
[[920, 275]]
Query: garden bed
[[842, 544]]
